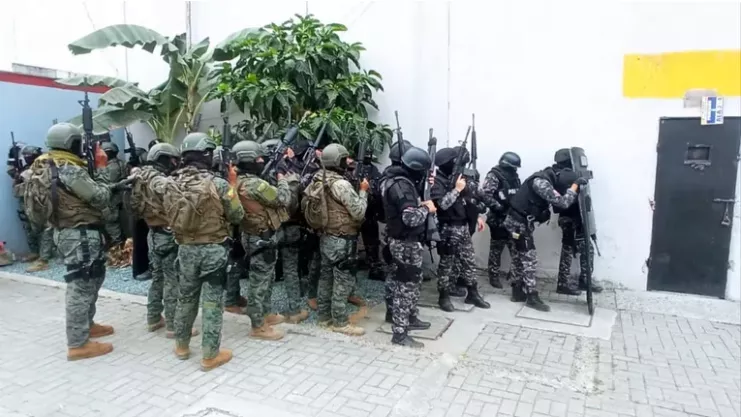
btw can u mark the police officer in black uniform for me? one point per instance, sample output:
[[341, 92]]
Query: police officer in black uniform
[[406, 219], [500, 185]]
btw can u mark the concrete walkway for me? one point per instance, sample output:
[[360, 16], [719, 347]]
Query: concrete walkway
[[630, 360]]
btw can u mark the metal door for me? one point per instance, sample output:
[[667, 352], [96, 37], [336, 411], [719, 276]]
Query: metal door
[[695, 192]]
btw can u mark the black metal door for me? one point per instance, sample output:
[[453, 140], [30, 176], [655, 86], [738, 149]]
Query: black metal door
[[695, 191]]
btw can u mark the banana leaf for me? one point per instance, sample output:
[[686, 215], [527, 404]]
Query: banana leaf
[[106, 118], [124, 35], [94, 81]]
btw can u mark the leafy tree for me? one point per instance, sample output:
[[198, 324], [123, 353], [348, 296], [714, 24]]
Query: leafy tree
[[277, 73]]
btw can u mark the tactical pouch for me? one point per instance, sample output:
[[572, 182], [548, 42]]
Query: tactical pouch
[[217, 278], [524, 243], [499, 233], [444, 249], [406, 273], [76, 271], [97, 269]]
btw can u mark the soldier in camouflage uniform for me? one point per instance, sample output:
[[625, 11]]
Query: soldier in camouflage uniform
[[455, 236], [39, 236], [147, 200], [346, 212], [265, 210], [531, 205], [405, 224], [78, 205], [573, 241], [203, 253], [310, 258], [113, 172], [234, 302], [500, 185]]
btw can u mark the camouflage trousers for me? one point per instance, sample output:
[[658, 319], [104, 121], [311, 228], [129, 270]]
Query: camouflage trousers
[[40, 240], [455, 246], [313, 260], [573, 242], [113, 224], [336, 281], [501, 238], [164, 290], [235, 271], [291, 240], [262, 277], [202, 274], [372, 244], [524, 253], [403, 282], [82, 253]]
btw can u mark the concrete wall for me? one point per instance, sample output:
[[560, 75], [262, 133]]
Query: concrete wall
[[539, 76]]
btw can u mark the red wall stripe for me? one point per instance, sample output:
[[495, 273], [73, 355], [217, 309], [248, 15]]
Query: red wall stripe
[[17, 78]]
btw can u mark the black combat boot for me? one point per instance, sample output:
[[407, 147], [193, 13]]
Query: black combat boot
[[475, 298], [595, 287], [403, 339], [376, 274], [389, 318], [565, 288], [534, 301], [444, 302], [494, 281], [518, 295], [416, 324], [144, 276]]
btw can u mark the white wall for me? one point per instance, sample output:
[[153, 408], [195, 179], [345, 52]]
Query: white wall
[[539, 75]]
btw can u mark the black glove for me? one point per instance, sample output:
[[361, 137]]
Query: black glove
[[581, 181], [124, 184]]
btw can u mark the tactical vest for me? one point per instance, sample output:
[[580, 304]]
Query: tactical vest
[[397, 192], [68, 210], [257, 218], [145, 203], [455, 214], [195, 209], [526, 203], [509, 183], [564, 178], [340, 223]]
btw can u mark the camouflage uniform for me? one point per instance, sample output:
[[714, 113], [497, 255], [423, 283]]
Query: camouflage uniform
[[113, 172], [290, 249], [459, 247], [573, 242], [522, 231], [346, 212], [202, 255]]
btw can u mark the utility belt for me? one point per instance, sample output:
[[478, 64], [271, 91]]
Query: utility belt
[[527, 219], [86, 269]]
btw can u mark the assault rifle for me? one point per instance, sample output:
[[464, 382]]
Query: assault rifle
[[471, 172], [88, 146], [310, 154], [431, 232], [134, 159], [362, 171], [15, 156], [276, 157], [460, 161]]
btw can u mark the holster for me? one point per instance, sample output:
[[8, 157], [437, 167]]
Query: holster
[[80, 271], [406, 273]]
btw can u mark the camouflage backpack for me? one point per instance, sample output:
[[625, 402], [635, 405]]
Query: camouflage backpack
[[191, 199], [314, 203], [37, 195], [146, 204]]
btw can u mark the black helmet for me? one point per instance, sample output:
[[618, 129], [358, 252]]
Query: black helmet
[[510, 160], [466, 154], [562, 156], [416, 159], [445, 155], [394, 154]]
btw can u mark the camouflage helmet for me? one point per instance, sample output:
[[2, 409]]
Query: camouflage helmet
[[217, 156], [109, 147], [247, 151], [333, 154], [30, 151], [142, 154], [197, 142], [163, 149], [62, 136], [270, 144]]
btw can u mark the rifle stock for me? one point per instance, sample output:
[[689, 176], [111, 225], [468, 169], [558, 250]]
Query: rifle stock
[[431, 232]]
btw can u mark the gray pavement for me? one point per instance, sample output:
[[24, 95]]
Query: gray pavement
[[488, 363]]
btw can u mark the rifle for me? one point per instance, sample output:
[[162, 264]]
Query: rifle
[[134, 160], [460, 163], [277, 156], [471, 172], [431, 232], [360, 174], [226, 142], [88, 150], [310, 154], [14, 156]]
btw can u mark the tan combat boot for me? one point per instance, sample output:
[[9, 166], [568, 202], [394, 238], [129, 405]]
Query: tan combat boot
[[89, 350], [38, 265], [356, 300], [298, 317], [182, 352], [349, 329], [325, 324], [234, 309], [266, 332], [273, 319], [224, 356], [156, 326], [30, 257], [361, 314], [170, 334], [312, 304], [100, 330], [242, 302]]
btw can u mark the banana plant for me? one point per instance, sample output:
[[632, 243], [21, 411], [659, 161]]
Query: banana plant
[[174, 103]]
